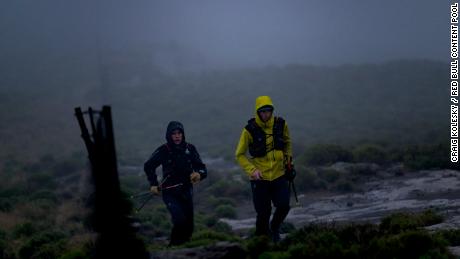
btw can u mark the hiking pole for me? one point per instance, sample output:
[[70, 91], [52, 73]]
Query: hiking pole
[[297, 203], [150, 194], [172, 186], [142, 194], [144, 202], [292, 173]]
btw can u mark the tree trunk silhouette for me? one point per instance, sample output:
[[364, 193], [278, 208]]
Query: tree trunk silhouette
[[110, 216]]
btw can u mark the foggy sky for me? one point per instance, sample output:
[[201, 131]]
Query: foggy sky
[[217, 33]]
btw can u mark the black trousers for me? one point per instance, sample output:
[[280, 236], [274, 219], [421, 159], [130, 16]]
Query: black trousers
[[179, 202], [263, 194]]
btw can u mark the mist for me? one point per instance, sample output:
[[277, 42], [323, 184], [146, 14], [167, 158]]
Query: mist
[[362, 85], [204, 35]]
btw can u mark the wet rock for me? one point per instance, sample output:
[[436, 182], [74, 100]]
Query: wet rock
[[450, 223], [455, 250], [415, 192], [396, 169], [217, 250], [342, 167]]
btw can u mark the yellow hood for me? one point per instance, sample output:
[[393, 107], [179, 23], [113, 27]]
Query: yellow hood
[[272, 164], [260, 102]]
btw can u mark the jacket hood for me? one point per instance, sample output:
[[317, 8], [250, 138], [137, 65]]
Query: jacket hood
[[262, 101], [172, 126]]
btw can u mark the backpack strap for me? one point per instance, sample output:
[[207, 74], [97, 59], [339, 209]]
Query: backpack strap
[[278, 133], [258, 146]]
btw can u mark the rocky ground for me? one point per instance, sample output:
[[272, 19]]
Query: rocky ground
[[385, 191], [389, 193], [414, 191]]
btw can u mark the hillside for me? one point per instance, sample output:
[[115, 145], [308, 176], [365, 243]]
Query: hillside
[[397, 102], [386, 114]]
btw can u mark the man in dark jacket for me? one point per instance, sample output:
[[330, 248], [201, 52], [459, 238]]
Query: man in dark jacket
[[182, 167]]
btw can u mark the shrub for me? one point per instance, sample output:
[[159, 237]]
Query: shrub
[[66, 167], [222, 227], [75, 254], [39, 181], [156, 220], [257, 245], [399, 222], [365, 241], [43, 245], [213, 201], [229, 188], [307, 179], [6, 205], [370, 153], [3, 244], [210, 221], [429, 217], [225, 211], [26, 229], [452, 236], [408, 244], [206, 237], [329, 175], [44, 195], [274, 255], [323, 154], [427, 157], [213, 223]]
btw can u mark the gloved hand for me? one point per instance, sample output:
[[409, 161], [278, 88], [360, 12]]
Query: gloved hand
[[256, 175], [195, 177], [155, 190], [290, 173]]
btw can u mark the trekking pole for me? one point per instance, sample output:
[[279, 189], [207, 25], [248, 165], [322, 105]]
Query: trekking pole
[[290, 168], [144, 202], [150, 194], [172, 186], [142, 194], [297, 203]]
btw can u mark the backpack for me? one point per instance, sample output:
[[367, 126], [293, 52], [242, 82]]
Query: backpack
[[258, 147]]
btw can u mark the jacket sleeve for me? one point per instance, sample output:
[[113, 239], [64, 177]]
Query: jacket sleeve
[[151, 165], [287, 141], [197, 164], [240, 153]]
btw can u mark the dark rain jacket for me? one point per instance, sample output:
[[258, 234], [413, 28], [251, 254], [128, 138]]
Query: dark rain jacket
[[177, 161]]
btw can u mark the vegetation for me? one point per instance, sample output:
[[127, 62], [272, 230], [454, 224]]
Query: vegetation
[[414, 157], [408, 240], [43, 166], [326, 154], [357, 103]]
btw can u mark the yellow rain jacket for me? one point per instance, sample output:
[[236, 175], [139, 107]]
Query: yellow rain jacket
[[272, 164]]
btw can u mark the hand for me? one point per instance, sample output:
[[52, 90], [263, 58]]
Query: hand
[[256, 175], [195, 177], [155, 190]]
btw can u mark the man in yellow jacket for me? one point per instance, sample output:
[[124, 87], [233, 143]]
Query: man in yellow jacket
[[266, 137]]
